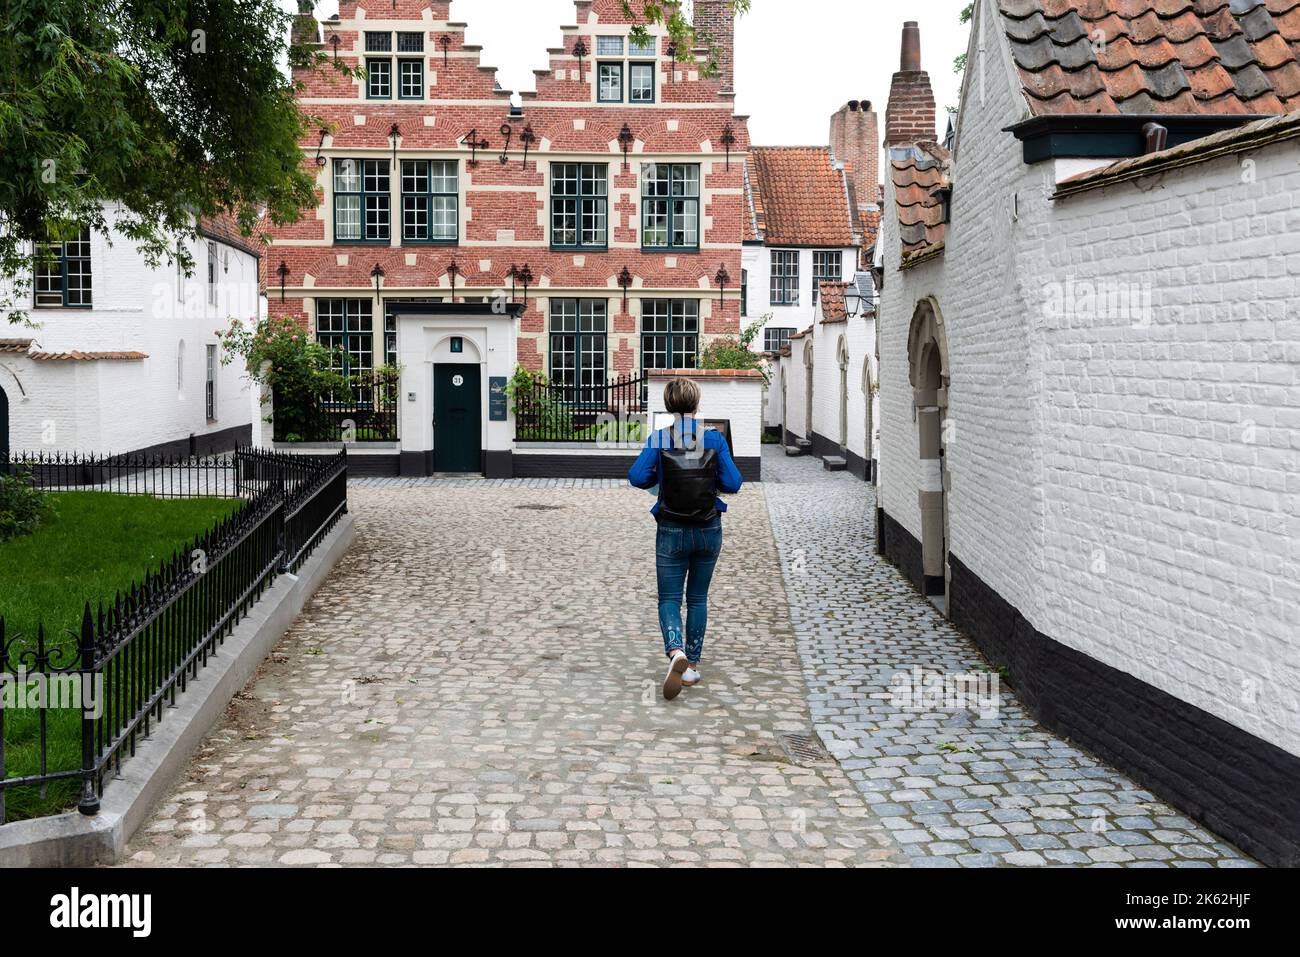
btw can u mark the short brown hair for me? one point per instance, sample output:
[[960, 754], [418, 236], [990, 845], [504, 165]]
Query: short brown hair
[[681, 396]]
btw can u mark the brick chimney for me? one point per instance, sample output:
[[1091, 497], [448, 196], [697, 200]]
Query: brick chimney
[[910, 116], [855, 140], [715, 24]]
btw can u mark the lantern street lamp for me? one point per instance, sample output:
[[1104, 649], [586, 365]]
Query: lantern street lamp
[[394, 134], [580, 51], [525, 276], [283, 272], [728, 140], [377, 274]]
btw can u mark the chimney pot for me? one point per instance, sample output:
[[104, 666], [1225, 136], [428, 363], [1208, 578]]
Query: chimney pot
[[853, 106], [911, 59]]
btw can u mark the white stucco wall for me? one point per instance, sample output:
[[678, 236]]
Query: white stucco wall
[[115, 405], [1125, 476], [757, 262]]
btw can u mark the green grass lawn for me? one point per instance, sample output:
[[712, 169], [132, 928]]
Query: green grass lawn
[[91, 545]]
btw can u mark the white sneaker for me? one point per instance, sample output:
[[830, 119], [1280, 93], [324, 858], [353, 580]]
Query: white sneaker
[[690, 678], [673, 681]]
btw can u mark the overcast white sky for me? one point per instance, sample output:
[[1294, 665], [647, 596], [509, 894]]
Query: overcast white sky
[[793, 69]]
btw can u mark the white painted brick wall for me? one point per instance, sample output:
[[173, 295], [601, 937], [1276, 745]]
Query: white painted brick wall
[[1130, 483], [123, 405], [737, 399], [757, 262]]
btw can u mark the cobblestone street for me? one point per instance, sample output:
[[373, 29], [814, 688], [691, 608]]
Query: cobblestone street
[[478, 682], [953, 788]]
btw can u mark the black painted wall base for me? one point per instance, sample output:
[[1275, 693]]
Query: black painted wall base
[[543, 465], [901, 548], [857, 465], [374, 466], [1235, 783], [210, 443]]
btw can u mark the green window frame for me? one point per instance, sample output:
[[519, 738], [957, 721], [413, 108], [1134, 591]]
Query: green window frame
[[775, 338], [785, 277], [410, 79], [346, 328], [379, 79], [827, 266], [670, 207], [391, 308], [641, 82], [431, 202], [580, 206], [609, 83], [361, 201], [670, 334], [579, 346], [62, 274]]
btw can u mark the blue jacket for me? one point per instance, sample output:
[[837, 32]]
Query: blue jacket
[[645, 470]]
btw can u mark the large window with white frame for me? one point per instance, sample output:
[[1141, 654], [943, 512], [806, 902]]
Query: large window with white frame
[[62, 273], [776, 338], [670, 333], [630, 80], [670, 206], [579, 345], [430, 201], [579, 206], [785, 277], [361, 201], [391, 67], [827, 266]]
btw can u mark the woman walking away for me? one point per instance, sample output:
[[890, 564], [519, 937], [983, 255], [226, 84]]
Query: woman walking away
[[690, 466]]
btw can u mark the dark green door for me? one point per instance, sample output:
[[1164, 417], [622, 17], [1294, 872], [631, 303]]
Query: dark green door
[[4, 429], [457, 419]]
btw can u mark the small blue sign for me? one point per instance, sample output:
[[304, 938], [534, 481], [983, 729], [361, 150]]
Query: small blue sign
[[457, 344]]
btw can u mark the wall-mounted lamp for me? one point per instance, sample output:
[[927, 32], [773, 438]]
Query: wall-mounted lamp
[[377, 274], [283, 272], [625, 139], [672, 61], [625, 283], [525, 275], [334, 42], [444, 41]]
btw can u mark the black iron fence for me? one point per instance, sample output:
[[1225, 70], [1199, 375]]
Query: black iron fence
[[367, 414], [106, 685], [599, 413]]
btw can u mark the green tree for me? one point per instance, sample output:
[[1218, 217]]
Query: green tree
[[959, 64], [139, 115], [680, 30]]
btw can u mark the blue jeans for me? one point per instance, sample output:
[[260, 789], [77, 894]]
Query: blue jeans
[[685, 557]]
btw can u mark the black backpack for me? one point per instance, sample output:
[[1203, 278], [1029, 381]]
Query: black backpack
[[688, 483]]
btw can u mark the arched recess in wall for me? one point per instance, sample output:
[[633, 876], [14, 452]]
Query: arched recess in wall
[[928, 371], [808, 389], [842, 357], [869, 394]]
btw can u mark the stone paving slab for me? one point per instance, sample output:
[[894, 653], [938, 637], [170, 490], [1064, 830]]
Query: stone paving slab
[[956, 787], [478, 683]]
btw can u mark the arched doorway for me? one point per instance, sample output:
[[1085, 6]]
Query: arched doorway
[[808, 390], [927, 354], [842, 358]]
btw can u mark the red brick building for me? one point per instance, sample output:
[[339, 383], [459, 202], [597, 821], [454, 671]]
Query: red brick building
[[617, 187]]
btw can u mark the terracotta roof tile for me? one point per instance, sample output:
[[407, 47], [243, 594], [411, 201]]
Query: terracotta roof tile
[[76, 356], [917, 179], [224, 228], [798, 198], [832, 301], [15, 345], [1233, 57]]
